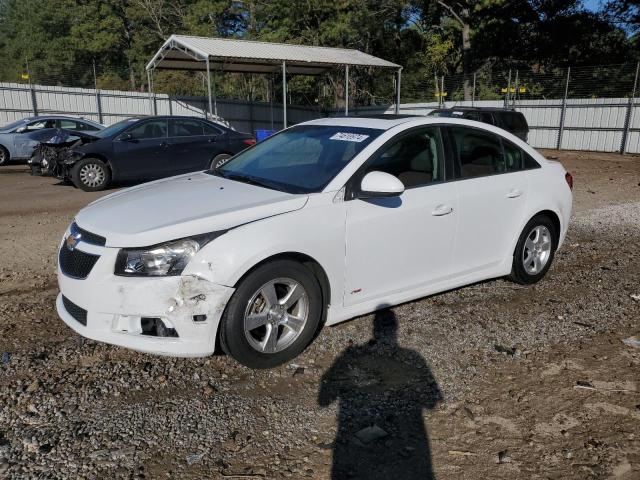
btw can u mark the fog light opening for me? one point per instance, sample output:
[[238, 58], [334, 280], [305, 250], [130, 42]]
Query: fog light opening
[[157, 327]]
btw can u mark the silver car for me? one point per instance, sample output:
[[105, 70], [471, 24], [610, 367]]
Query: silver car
[[15, 141]]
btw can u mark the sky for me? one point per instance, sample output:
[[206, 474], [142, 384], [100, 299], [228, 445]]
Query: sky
[[592, 5]]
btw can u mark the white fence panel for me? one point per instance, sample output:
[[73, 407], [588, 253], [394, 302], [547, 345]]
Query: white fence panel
[[589, 124]]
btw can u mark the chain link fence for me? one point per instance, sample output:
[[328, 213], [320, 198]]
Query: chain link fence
[[517, 84]]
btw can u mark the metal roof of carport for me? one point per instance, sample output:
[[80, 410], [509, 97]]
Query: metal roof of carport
[[231, 55], [183, 52]]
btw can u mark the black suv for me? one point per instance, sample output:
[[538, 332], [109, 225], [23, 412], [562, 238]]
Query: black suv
[[507, 119], [151, 147]]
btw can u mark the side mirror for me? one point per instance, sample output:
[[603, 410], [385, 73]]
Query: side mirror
[[126, 137], [380, 184], [22, 129]]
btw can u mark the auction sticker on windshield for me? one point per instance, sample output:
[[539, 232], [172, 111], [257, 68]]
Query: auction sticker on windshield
[[349, 137]]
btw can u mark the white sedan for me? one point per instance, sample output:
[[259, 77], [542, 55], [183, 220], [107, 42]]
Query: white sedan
[[325, 221]]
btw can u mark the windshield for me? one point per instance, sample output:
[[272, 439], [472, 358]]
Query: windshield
[[302, 159], [115, 128], [12, 125]]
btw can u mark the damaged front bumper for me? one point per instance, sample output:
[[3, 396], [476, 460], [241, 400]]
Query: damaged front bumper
[[177, 316]]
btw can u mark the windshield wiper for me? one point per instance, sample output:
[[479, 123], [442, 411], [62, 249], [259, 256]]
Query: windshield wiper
[[258, 182]]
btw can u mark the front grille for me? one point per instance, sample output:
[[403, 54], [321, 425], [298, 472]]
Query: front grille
[[80, 314], [88, 237], [75, 263]]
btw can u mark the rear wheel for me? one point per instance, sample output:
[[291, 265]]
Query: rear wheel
[[273, 315], [219, 160], [91, 175], [535, 250], [4, 155]]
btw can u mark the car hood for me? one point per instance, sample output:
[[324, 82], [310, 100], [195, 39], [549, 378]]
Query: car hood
[[179, 207]]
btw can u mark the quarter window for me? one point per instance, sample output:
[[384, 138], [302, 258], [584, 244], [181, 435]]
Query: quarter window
[[150, 129], [415, 159]]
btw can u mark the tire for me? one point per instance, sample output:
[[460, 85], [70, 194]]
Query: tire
[[91, 175], [250, 306], [534, 251], [4, 155], [219, 160]]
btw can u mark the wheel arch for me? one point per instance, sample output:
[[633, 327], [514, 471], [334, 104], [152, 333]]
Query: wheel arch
[[306, 260], [555, 219]]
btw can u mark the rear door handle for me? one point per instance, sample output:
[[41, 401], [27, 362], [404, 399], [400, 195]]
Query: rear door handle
[[441, 210], [164, 144], [514, 193]]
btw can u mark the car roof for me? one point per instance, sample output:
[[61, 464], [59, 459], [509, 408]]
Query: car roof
[[476, 109], [378, 122]]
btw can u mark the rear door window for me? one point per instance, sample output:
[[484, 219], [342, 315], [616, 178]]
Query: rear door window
[[486, 117], [211, 130], [185, 128], [479, 153], [514, 121], [70, 125], [149, 129]]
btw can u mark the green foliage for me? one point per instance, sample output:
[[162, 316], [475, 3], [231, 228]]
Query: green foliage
[[61, 39]]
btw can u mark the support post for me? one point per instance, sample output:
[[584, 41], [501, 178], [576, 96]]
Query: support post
[[284, 94], [271, 99], [149, 88], [629, 115], [564, 110], [346, 90], [209, 88], [515, 94], [506, 98], [473, 92], [34, 101], [442, 92], [435, 78], [95, 86], [398, 82]]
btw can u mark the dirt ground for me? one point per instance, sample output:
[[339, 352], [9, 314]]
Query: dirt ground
[[494, 380]]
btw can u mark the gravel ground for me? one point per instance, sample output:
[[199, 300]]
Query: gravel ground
[[494, 380]]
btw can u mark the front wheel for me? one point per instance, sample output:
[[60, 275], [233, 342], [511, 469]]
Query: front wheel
[[91, 175], [534, 251], [273, 315]]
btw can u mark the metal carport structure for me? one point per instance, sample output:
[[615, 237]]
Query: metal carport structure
[[206, 54]]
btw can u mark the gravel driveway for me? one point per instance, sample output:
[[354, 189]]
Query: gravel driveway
[[494, 380]]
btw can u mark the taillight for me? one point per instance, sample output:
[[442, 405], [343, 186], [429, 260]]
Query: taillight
[[249, 141], [569, 178]]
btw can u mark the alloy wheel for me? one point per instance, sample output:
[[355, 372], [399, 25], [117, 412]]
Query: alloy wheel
[[276, 315], [537, 250]]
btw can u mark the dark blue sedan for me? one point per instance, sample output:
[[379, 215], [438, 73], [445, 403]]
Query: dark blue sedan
[[152, 147]]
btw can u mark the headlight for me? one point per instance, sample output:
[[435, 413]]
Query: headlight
[[165, 259]]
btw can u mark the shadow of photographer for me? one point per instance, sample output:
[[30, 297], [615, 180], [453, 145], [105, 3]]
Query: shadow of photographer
[[382, 390]]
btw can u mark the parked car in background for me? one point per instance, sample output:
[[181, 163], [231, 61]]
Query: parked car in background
[[18, 139], [322, 222], [507, 119], [152, 147]]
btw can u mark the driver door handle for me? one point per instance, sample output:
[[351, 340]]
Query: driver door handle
[[441, 210], [514, 193], [164, 144]]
